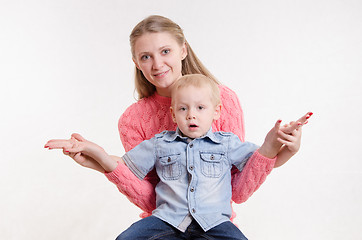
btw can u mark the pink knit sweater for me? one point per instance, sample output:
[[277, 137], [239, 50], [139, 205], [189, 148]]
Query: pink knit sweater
[[143, 119]]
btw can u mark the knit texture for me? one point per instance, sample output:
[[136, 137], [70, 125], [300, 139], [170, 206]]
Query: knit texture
[[149, 116]]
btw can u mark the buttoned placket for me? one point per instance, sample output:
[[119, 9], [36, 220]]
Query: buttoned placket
[[190, 161]]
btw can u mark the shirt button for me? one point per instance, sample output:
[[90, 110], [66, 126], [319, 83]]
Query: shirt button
[[212, 157], [193, 210], [192, 189], [191, 145], [168, 159], [191, 168]]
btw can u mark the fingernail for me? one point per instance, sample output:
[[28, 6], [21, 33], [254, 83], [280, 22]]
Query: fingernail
[[46, 146], [305, 122], [279, 121]]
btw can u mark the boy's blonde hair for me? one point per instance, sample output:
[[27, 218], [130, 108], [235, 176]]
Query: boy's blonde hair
[[199, 81], [157, 24]]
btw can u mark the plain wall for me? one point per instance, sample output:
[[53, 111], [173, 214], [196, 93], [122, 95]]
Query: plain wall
[[65, 66]]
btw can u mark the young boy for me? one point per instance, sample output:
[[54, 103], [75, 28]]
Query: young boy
[[193, 164]]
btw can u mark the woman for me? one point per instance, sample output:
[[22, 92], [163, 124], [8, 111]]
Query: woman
[[162, 55]]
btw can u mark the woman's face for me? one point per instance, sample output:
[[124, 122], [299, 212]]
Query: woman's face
[[159, 56]]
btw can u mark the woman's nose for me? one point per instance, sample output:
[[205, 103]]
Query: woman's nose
[[157, 62]]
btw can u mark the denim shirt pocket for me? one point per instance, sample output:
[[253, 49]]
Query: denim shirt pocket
[[211, 164], [171, 167]]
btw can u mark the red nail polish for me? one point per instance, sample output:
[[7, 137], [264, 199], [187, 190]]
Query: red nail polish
[[46, 146]]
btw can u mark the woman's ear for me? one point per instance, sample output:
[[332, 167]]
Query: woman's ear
[[184, 51], [136, 64]]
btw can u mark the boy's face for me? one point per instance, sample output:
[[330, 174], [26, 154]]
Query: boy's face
[[194, 111]]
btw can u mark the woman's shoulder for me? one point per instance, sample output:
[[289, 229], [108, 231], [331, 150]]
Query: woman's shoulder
[[135, 110], [226, 91], [232, 117], [145, 108], [227, 95]]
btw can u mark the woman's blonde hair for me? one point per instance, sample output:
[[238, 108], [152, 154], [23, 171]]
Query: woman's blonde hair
[[156, 24], [199, 81]]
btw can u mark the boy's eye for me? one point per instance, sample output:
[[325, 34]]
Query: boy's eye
[[201, 107], [182, 109]]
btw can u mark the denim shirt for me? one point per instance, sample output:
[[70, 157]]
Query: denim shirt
[[195, 177]]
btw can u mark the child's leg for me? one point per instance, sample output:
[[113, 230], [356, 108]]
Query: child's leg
[[149, 228], [225, 230]]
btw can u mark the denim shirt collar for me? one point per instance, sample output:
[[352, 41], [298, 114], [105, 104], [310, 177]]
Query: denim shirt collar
[[172, 136]]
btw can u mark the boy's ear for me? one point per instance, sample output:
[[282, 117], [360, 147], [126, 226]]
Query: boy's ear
[[135, 63], [173, 115], [217, 112]]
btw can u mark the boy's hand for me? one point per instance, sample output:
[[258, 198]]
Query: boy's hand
[[81, 145], [73, 148], [271, 145]]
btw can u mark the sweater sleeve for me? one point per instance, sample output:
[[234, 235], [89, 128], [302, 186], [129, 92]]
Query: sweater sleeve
[[139, 192], [246, 182]]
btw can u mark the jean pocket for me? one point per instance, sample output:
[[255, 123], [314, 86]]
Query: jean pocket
[[171, 167], [211, 164]]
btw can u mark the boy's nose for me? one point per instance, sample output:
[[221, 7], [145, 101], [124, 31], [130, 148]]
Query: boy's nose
[[190, 116]]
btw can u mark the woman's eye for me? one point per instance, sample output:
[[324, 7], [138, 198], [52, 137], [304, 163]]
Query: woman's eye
[[201, 107], [165, 51], [145, 57], [182, 109]]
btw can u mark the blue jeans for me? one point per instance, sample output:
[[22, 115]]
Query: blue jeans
[[152, 228]]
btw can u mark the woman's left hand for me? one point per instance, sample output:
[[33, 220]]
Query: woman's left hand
[[272, 143]]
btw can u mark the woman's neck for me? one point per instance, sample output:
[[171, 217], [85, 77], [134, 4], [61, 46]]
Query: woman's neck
[[163, 92]]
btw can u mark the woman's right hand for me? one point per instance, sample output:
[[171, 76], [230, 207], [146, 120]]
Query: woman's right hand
[[79, 157]]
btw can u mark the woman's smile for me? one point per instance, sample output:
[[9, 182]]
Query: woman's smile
[[161, 74]]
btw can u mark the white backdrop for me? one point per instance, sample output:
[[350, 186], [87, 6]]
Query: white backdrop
[[65, 66]]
